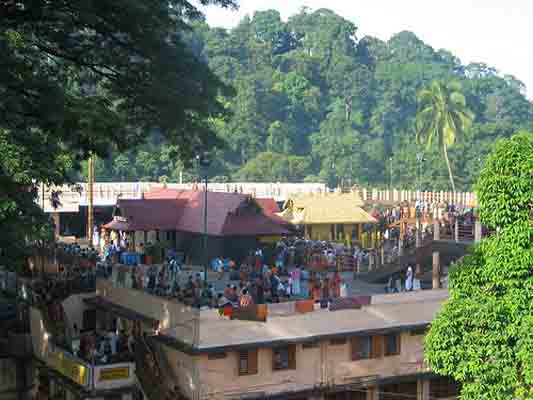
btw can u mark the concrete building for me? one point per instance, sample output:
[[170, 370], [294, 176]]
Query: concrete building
[[372, 349]]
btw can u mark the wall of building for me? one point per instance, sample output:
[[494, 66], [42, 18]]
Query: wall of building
[[183, 320], [325, 364], [73, 307], [182, 368], [341, 369], [220, 378]]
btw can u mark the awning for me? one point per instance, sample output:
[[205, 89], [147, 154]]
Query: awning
[[116, 225]]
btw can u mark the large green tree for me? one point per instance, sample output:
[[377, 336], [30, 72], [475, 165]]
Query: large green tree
[[443, 118], [483, 336], [80, 77], [309, 86]]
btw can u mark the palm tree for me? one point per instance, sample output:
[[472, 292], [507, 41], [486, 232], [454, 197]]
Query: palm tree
[[442, 117]]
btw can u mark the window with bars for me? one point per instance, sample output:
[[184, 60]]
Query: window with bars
[[284, 358], [392, 344], [361, 348], [248, 362]]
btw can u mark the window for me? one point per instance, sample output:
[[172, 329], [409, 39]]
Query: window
[[284, 358], [337, 341], [361, 348], [310, 345], [418, 332], [442, 387], [247, 362], [378, 344], [157, 235], [216, 356], [392, 344]]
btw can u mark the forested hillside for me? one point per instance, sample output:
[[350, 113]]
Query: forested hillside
[[315, 102]]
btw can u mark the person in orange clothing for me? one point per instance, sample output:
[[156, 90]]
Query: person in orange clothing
[[245, 300]]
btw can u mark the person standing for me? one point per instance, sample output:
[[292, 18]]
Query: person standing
[[409, 279], [296, 277]]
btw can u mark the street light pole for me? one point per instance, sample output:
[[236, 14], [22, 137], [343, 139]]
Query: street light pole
[[204, 162], [390, 159], [206, 255]]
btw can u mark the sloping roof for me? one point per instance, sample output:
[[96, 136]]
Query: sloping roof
[[183, 210], [303, 200], [116, 225], [258, 224], [271, 209], [269, 206], [219, 205], [326, 209], [153, 214]]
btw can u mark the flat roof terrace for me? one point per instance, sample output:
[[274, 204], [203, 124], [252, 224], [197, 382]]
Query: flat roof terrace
[[386, 313]]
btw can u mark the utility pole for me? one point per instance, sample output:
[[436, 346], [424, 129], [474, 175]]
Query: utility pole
[[203, 162], [391, 174], [90, 194]]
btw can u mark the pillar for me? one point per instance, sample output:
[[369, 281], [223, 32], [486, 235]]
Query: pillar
[[477, 230], [56, 217], [436, 270], [436, 230], [422, 389], [456, 231], [372, 393]]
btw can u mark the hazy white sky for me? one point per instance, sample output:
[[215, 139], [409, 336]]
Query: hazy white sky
[[496, 32]]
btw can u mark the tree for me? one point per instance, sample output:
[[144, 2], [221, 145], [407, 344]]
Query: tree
[[483, 336], [80, 77], [442, 118], [309, 87]]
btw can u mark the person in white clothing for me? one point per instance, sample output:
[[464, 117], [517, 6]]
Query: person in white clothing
[[409, 279]]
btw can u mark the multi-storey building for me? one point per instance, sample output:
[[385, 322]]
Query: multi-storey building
[[372, 352]]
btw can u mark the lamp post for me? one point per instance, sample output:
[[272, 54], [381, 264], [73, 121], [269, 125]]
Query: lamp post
[[390, 160], [419, 161], [204, 162]]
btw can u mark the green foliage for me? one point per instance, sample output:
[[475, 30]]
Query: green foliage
[[443, 118], [507, 196], [80, 77], [274, 167], [483, 335], [310, 87]]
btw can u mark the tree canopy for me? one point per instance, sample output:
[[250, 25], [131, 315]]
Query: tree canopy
[[310, 87], [443, 118], [483, 336], [81, 77]]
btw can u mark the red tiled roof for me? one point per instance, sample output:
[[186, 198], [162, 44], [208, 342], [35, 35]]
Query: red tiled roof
[[183, 210], [145, 215], [269, 206], [219, 205], [256, 224]]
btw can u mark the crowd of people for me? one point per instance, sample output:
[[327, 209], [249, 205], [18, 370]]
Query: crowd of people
[[106, 348]]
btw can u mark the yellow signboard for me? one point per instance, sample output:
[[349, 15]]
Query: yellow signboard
[[68, 367], [114, 374], [269, 239]]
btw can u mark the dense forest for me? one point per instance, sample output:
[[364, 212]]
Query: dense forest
[[314, 102]]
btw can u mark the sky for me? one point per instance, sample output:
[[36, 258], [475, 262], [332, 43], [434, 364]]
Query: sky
[[496, 32]]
